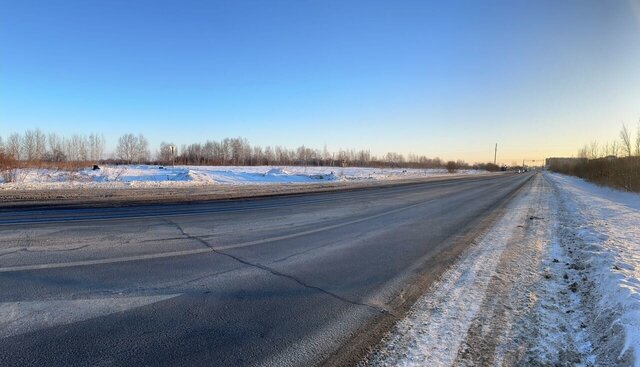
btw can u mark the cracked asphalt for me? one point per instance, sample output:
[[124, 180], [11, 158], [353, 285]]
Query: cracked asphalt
[[292, 280]]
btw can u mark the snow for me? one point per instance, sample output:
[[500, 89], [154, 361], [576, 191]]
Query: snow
[[555, 281], [607, 222], [560, 313], [123, 176]]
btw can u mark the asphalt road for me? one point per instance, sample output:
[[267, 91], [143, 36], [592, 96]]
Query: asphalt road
[[293, 280]]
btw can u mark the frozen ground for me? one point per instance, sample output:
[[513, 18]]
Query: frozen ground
[[601, 228], [554, 282], [180, 176]]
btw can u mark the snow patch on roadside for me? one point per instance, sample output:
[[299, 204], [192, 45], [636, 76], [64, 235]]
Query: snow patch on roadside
[[557, 325], [603, 227], [553, 282], [563, 289]]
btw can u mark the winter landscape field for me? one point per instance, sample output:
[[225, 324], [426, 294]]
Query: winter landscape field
[[283, 183], [149, 176]]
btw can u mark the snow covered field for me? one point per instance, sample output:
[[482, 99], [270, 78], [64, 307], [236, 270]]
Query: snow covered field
[[154, 176], [556, 281]]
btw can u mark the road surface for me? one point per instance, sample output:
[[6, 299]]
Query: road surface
[[294, 280]]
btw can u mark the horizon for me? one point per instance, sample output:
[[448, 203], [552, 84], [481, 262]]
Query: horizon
[[440, 80], [109, 152]]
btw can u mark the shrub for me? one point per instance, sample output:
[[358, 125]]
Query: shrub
[[8, 168], [622, 173], [451, 167]]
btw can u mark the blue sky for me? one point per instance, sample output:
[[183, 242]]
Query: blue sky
[[445, 79]]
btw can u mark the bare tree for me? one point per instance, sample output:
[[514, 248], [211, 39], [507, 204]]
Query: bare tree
[[303, 155], [70, 150], [258, 156], [583, 152], [29, 146], [75, 148], [605, 149], [13, 146], [209, 151], [142, 151], [364, 157], [269, 155], [193, 153], [40, 141], [34, 146], [593, 150], [96, 147], [282, 156], [56, 146], [637, 147], [133, 149], [326, 156], [81, 146], [626, 141], [55, 151], [127, 148], [615, 148], [218, 153]]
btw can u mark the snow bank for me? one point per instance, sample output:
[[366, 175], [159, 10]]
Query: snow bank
[[607, 223], [158, 176]]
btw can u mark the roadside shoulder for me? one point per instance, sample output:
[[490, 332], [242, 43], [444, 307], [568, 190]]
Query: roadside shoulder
[[601, 231]]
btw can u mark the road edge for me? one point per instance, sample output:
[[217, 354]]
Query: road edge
[[369, 335]]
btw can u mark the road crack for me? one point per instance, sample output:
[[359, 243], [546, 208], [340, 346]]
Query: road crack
[[274, 271], [306, 251]]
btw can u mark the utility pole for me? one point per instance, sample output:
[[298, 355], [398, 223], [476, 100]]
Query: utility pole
[[495, 154]]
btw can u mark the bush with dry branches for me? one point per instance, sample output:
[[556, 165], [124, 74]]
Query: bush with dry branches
[[8, 168]]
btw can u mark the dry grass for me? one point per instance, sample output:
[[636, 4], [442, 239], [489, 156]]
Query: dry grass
[[621, 173], [10, 169], [60, 166]]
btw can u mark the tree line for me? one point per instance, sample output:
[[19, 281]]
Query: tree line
[[615, 164], [624, 146], [35, 146], [238, 151]]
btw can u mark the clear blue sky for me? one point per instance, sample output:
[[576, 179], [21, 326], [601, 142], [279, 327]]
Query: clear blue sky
[[444, 79]]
